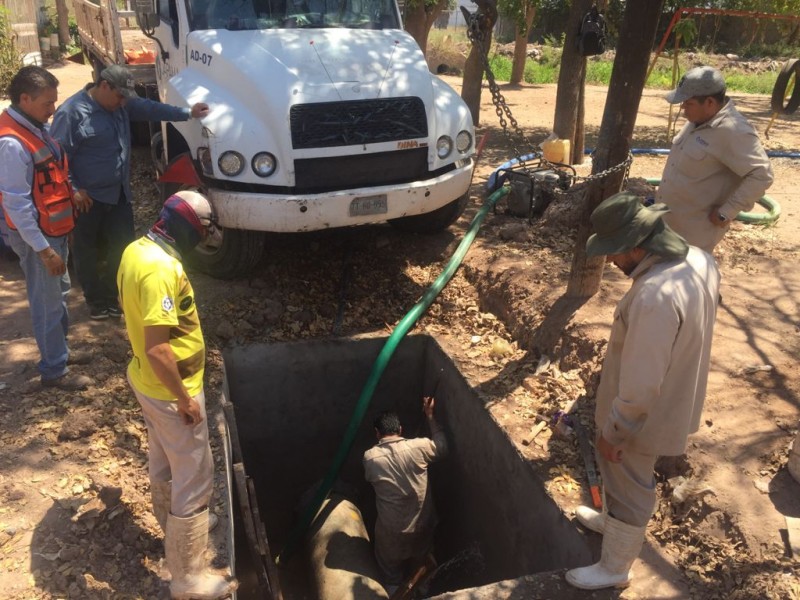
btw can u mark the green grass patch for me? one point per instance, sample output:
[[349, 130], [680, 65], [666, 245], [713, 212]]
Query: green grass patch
[[450, 47], [598, 72]]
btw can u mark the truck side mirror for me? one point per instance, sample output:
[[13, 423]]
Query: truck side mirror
[[146, 16], [150, 21]]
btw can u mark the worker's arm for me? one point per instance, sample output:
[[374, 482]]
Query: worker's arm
[[437, 432], [143, 109], [745, 156], [162, 361]]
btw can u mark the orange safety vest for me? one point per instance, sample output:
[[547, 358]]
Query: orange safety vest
[[51, 190]]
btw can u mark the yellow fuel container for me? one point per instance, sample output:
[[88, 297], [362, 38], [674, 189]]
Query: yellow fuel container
[[557, 151]]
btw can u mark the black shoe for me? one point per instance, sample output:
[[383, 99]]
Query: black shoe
[[69, 382], [97, 313], [115, 312]]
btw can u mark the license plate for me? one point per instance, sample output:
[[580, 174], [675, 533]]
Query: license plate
[[369, 205]]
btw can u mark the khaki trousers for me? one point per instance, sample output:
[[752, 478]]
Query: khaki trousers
[[179, 452], [630, 487]]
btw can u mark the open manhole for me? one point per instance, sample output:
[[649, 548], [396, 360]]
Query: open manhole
[[292, 403]]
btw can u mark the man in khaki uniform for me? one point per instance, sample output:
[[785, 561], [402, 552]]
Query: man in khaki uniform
[[654, 377], [398, 470], [716, 166]]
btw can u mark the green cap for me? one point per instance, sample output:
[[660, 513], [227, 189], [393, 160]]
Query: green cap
[[622, 223]]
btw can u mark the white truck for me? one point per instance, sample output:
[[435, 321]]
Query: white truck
[[323, 114]]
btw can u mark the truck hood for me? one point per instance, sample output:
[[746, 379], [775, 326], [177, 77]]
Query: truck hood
[[295, 66]]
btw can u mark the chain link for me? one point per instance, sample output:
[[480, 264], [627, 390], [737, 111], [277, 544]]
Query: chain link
[[476, 35]]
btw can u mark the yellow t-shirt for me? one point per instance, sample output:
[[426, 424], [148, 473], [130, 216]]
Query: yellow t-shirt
[[154, 290]]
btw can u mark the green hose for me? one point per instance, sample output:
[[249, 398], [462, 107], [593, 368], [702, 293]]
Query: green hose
[[378, 367], [754, 218]]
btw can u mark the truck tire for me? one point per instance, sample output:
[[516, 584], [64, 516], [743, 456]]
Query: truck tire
[[435, 221], [790, 69], [228, 254]]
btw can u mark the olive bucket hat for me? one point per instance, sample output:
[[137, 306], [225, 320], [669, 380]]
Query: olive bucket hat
[[622, 223]]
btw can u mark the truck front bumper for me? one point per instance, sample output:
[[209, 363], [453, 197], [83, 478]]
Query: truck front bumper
[[310, 212]]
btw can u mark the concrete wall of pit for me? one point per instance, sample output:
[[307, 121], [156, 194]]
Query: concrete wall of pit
[[292, 402]]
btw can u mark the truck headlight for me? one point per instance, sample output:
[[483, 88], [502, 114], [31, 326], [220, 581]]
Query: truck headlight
[[264, 164], [231, 163], [463, 141], [444, 146]]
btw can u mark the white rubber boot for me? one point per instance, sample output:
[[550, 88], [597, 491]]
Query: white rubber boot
[[794, 459], [186, 543], [161, 498], [591, 519], [621, 545]]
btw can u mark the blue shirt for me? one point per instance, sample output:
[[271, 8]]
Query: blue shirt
[[98, 142], [16, 178]]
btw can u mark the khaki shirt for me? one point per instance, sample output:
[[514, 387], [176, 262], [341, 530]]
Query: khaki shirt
[[398, 470], [655, 372], [719, 164]]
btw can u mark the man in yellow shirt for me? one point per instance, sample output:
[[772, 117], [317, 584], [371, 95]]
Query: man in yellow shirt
[[166, 375]]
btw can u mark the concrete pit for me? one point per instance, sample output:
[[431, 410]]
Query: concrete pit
[[292, 403]]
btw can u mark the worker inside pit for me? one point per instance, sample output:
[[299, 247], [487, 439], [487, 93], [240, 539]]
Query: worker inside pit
[[398, 470]]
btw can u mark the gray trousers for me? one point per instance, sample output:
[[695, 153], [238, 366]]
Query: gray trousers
[[630, 487], [179, 452]]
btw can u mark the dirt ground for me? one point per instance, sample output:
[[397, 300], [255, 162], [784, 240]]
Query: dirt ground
[[74, 502]]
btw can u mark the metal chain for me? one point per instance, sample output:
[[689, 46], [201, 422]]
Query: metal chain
[[624, 166], [476, 36]]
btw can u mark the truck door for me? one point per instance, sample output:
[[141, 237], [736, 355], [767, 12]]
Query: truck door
[[171, 31]]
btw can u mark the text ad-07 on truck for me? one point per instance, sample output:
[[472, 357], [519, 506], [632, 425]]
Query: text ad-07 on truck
[[323, 114]]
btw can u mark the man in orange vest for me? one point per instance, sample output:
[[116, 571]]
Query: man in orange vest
[[38, 214]]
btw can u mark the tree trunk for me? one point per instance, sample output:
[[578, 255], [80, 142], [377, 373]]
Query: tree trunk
[[415, 23], [793, 35], [521, 46], [63, 23], [578, 141], [571, 76], [473, 68], [616, 130], [419, 20]]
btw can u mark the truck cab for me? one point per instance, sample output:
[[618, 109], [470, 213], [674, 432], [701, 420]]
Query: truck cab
[[323, 114]]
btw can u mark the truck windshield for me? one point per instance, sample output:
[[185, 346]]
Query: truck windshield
[[293, 14]]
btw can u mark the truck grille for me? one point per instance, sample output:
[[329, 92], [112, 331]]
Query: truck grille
[[329, 124], [313, 175]]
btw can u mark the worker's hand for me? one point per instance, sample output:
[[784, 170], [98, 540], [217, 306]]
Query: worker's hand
[[427, 406], [52, 262], [200, 110], [189, 409], [608, 451], [717, 218], [82, 201]]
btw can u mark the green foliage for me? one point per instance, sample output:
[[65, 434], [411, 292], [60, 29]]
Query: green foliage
[[74, 37], [516, 10], [501, 67], [598, 72], [536, 72], [751, 83], [551, 41], [687, 29], [10, 59], [661, 77]]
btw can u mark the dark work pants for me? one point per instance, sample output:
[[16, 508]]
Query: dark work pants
[[99, 238]]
